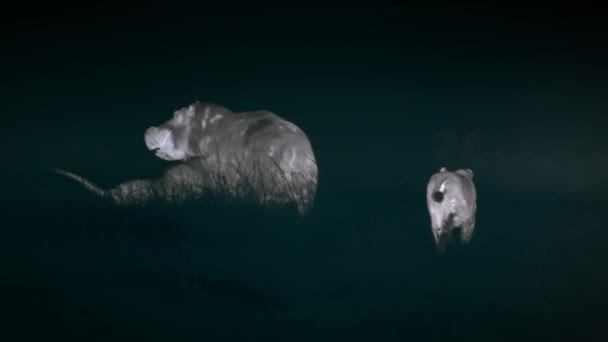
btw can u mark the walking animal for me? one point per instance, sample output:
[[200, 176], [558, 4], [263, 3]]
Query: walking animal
[[451, 199], [256, 155]]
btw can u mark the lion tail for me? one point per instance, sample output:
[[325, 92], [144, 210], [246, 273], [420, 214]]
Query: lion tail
[[85, 182]]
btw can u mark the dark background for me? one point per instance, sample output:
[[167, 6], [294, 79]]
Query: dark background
[[387, 95]]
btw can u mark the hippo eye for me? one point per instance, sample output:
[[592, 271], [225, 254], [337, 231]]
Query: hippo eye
[[438, 196]]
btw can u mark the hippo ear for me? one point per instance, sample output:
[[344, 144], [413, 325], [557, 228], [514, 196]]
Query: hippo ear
[[443, 169], [192, 109]]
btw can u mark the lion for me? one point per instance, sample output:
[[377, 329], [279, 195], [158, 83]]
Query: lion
[[451, 199], [255, 155]]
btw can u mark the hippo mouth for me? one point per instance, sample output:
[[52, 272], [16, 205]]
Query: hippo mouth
[[162, 155], [156, 138]]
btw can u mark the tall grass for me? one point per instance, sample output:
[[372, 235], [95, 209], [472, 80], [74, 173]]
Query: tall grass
[[257, 181]]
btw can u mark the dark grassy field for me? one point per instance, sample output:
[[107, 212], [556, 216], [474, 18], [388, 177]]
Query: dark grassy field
[[386, 94], [361, 267]]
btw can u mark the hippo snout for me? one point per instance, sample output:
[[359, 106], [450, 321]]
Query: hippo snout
[[153, 139]]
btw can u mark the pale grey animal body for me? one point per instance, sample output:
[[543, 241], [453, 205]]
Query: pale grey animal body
[[452, 202], [255, 154]]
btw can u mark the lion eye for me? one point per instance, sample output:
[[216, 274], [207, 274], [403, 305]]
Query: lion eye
[[438, 196]]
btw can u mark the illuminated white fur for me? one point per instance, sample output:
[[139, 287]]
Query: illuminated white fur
[[452, 202]]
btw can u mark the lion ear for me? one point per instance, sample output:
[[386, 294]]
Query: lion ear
[[443, 169], [466, 172]]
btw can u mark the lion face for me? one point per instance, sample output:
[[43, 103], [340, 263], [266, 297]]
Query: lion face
[[169, 141], [451, 201]]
